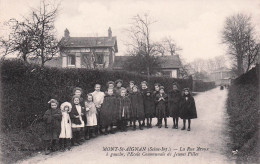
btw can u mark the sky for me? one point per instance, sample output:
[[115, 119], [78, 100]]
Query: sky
[[195, 25]]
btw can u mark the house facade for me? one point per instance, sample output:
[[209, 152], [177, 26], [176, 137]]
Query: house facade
[[221, 76], [169, 65], [88, 52]]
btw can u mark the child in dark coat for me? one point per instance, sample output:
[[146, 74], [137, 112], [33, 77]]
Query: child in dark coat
[[174, 99], [129, 91], [137, 108], [77, 123], [188, 108], [108, 110], [149, 105], [161, 107], [155, 92], [52, 118], [123, 109]]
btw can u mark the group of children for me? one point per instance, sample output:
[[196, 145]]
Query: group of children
[[99, 112]]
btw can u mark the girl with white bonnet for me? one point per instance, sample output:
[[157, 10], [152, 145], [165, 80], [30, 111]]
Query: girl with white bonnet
[[66, 131]]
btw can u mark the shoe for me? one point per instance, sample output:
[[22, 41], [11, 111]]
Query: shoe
[[47, 152], [112, 131], [176, 127], [183, 128], [188, 129], [160, 126], [141, 128], [166, 126], [134, 128]]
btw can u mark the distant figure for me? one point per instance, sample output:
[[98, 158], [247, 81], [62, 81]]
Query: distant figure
[[221, 87]]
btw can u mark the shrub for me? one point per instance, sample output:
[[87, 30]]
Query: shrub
[[243, 110]]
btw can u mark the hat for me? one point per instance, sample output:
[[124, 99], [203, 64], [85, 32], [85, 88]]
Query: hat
[[144, 82], [110, 82], [75, 96], [119, 80], [53, 101], [135, 86], [186, 89], [157, 84], [63, 105], [77, 88]]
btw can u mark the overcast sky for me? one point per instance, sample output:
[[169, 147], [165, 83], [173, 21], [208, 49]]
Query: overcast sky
[[194, 24]]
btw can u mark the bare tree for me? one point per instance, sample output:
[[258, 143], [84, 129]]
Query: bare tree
[[170, 45], [35, 35], [141, 45], [42, 20], [239, 36], [19, 40]]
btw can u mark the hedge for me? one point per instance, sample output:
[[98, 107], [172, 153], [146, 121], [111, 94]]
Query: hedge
[[244, 113], [27, 88]]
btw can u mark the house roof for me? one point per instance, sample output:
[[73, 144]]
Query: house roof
[[89, 42], [166, 62]]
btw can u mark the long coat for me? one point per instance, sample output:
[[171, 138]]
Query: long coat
[[52, 118], [66, 131], [108, 110], [91, 114], [137, 111], [123, 107], [188, 108], [77, 122], [161, 105], [174, 100], [149, 105]]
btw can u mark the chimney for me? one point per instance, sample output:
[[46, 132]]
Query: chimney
[[66, 33], [109, 32]]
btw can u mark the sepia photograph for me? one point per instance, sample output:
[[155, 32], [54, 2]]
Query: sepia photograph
[[129, 81]]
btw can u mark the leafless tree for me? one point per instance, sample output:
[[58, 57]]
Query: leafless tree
[[35, 35], [170, 45], [141, 45], [239, 36]]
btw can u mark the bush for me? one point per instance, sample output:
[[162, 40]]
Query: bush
[[243, 110], [27, 88]]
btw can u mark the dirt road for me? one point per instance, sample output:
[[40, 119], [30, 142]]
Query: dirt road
[[207, 132]]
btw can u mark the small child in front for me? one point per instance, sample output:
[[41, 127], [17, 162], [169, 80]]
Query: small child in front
[[66, 131], [52, 118]]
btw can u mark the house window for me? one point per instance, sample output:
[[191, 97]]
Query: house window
[[99, 58], [71, 60]]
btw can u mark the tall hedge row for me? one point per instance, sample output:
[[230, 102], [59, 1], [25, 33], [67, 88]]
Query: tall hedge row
[[27, 88], [243, 110]]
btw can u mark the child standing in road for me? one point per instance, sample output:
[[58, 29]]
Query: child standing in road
[[137, 108], [161, 107], [155, 92], [52, 118], [98, 98], [188, 108], [108, 109], [149, 105], [174, 99], [91, 117], [77, 123], [123, 108], [66, 131]]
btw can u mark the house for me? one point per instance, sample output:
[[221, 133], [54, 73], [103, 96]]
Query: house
[[88, 52], [170, 65], [221, 76]]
